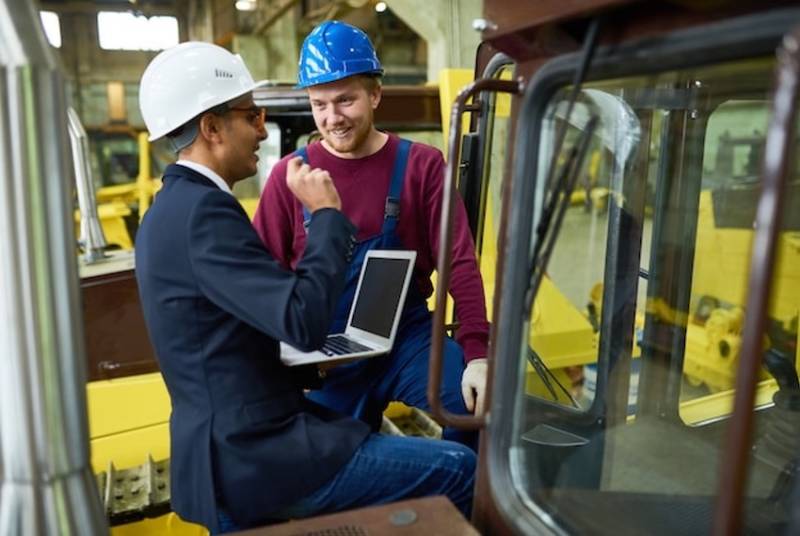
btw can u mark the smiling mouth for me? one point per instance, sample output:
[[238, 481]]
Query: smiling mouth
[[339, 132]]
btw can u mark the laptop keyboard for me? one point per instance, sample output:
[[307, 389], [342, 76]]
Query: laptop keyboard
[[339, 345]]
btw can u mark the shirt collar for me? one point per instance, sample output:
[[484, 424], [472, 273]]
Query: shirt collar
[[208, 173]]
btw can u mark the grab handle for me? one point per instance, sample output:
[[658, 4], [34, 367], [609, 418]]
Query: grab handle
[[442, 415]]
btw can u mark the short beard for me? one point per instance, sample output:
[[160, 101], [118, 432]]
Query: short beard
[[358, 140], [348, 146]]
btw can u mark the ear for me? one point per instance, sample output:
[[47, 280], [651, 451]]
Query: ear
[[211, 127], [375, 96]]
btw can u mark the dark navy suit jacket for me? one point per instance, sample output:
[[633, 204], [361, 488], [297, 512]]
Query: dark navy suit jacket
[[216, 303]]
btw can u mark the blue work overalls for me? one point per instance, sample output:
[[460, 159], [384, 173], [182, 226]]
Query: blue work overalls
[[364, 388]]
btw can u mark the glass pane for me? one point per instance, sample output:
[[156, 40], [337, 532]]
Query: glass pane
[[52, 27], [731, 165], [115, 159], [563, 340], [651, 264]]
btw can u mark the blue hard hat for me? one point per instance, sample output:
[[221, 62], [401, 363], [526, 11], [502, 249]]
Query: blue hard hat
[[335, 50]]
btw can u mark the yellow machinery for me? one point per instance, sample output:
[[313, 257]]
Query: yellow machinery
[[129, 421], [714, 330], [112, 217], [559, 333], [114, 203], [563, 337]]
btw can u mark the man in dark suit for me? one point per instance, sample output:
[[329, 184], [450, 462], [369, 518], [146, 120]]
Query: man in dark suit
[[247, 446]]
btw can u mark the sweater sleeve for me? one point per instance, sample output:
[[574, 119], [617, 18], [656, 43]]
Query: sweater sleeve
[[466, 285], [274, 218]]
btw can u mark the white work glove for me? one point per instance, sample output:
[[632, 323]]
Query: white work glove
[[473, 385]]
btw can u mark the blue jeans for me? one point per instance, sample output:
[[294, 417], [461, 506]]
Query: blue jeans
[[385, 469], [364, 388]]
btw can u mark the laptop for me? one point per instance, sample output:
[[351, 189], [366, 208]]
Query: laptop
[[374, 315]]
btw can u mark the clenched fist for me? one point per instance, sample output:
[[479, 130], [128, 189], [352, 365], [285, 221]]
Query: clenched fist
[[312, 187]]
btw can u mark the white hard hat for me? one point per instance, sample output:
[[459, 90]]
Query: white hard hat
[[188, 79]]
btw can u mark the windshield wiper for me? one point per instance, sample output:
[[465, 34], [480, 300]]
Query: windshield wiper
[[555, 208], [558, 200], [545, 374], [546, 238], [569, 169], [587, 54]]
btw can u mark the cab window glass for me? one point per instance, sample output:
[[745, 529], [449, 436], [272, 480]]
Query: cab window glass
[[652, 260]]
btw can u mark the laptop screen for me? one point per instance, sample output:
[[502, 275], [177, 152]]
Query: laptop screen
[[379, 296]]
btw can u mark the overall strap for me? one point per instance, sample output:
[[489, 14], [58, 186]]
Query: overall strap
[[391, 212], [302, 152]]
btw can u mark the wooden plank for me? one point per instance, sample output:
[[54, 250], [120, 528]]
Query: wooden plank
[[430, 515]]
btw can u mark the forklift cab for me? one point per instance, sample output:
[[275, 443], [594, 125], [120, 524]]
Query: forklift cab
[[625, 173]]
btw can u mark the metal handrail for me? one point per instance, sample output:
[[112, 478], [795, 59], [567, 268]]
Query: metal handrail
[[92, 239], [441, 414], [779, 143]]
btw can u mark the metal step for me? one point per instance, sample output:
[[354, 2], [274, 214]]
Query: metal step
[[135, 493], [415, 423]]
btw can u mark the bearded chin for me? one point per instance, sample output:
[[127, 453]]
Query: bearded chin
[[350, 145], [361, 132], [341, 146]]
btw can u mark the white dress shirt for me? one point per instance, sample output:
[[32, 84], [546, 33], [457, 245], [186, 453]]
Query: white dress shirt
[[208, 173]]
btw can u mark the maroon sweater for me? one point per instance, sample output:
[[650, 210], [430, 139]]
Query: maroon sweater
[[363, 184]]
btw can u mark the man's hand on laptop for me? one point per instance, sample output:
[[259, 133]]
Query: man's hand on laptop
[[473, 385], [313, 187]]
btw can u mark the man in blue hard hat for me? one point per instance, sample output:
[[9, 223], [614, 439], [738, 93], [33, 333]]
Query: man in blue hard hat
[[391, 189], [246, 445]]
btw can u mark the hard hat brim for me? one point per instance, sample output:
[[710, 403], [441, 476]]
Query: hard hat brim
[[335, 77]]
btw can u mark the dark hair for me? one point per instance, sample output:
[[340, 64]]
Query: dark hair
[[184, 135]]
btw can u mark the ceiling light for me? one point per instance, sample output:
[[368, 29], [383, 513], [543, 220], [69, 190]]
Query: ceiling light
[[380, 7], [245, 5]]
